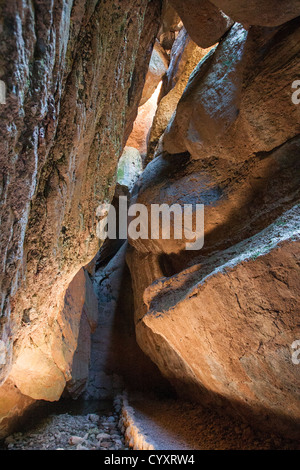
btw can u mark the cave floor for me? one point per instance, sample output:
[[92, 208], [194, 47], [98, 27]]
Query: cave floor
[[177, 425], [165, 424]]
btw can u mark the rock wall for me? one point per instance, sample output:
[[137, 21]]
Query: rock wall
[[220, 322], [74, 73]]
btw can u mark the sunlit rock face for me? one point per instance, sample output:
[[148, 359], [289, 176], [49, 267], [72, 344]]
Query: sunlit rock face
[[220, 322], [142, 125], [74, 73], [129, 167]]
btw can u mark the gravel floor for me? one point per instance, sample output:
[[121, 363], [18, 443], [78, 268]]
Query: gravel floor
[[70, 432]]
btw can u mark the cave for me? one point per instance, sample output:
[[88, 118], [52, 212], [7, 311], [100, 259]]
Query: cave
[[124, 331]]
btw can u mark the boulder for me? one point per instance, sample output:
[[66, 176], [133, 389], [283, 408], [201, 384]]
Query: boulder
[[46, 361], [238, 199], [185, 56], [116, 358], [170, 19], [13, 406], [142, 125], [158, 66]]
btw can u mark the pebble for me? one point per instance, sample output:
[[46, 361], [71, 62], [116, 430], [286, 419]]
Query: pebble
[[69, 432]]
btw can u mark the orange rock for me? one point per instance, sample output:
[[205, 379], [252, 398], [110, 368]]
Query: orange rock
[[157, 68]]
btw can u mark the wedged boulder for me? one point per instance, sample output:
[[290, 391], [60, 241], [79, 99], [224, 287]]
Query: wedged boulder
[[185, 56], [73, 88], [238, 100], [129, 167], [260, 13], [204, 22], [170, 19], [158, 66], [222, 331], [49, 360]]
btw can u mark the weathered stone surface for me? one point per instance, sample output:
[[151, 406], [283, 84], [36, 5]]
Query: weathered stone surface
[[170, 19], [220, 323], [73, 87], [238, 199], [222, 331], [51, 358], [204, 22], [129, 167], [142, 125], [185, 56], [151, 24], [157, 68], [238, 100], [261, 13], [12, 406]]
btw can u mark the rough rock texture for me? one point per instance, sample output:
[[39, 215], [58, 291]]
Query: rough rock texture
[[12, 407], [261, 13], [170, 424], [70, 432], [170, 18], [116, 359], [204, 22], [35, 375], [129, 167], [143, 123], [215, 339], [239, 199], [220, 322], [74, 74], [185, 56], [40, 376], [238, 100], [157, 68]]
